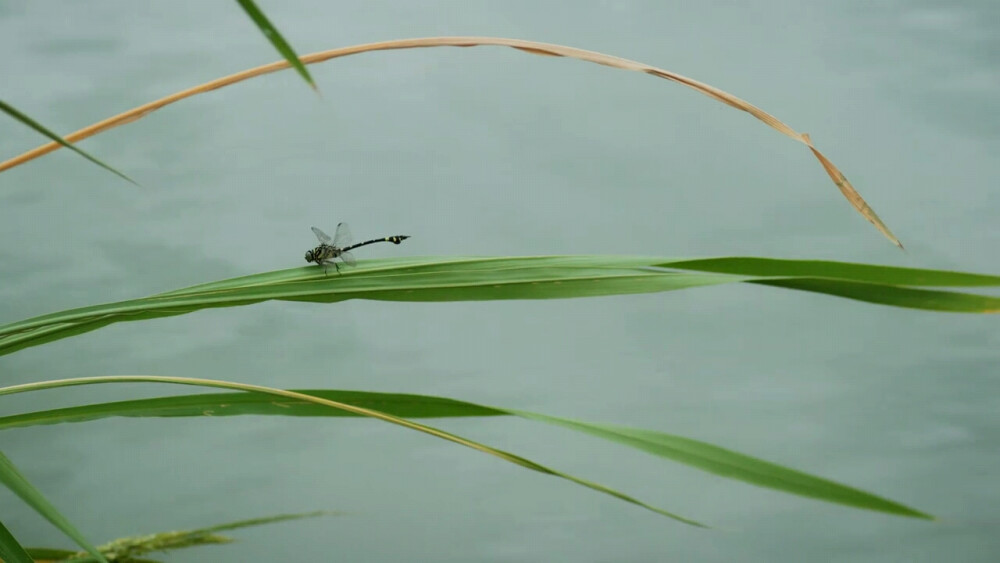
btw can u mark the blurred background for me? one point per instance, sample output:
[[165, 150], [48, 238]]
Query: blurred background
[[490, 151]]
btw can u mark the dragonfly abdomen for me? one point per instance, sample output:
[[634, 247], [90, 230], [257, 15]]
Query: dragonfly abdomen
[[393, 239]]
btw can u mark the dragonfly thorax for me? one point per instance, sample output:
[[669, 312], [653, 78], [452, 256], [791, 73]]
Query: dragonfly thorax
[[321, 253]]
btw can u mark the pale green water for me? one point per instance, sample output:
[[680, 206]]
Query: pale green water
[[491, 151]]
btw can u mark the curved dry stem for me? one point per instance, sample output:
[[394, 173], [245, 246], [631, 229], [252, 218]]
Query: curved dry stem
[[532, 47]]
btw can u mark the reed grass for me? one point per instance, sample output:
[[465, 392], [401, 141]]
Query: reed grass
[[450, 279], [533, 277]]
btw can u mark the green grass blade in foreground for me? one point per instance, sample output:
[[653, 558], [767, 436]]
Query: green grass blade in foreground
[[450, 279], [271, 32], [928, 300], [487, 279], [403, 405], [506, 456], [10, 550], [20, 486], [828, 269], [701, 455], [18, 115], [732, 465]]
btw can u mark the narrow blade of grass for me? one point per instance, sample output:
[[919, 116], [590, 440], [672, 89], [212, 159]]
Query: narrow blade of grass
[[701, 455], [20, 486], [10, 550], [733, 465], [846, 271], [452, 279], [272, 34], [20, 116], [403, 405], [506, 456], [928, 300], [541, 277]]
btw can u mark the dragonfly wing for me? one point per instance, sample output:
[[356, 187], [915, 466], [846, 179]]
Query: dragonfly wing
[[342, 237], [323, 237], [348, 259]]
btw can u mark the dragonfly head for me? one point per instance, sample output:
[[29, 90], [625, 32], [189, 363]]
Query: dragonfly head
[[310, 257]]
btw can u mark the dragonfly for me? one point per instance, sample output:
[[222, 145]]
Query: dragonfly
[[340, 247]]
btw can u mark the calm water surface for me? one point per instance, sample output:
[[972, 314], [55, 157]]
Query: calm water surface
[[490, 151]]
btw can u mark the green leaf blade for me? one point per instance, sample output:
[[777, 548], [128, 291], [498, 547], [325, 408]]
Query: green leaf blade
[[503, 278], [733, 465], [38, 127], [406, 423], [20, 486], [428, 280], [276, 39], [847, 271], [909, 298], [10, 550], [249, 403], [694, 453]]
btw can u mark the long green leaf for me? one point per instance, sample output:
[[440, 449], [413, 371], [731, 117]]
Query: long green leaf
[[845, 271], [237, 404], [20, 486], [694, 453], [928, 300], [18, 115], [271, 32], [506, 456], [454, 279], [10, 550], [540, 277], [732, 465]]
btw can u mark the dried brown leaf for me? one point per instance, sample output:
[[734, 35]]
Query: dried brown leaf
[[533, 47]]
